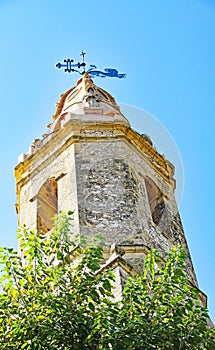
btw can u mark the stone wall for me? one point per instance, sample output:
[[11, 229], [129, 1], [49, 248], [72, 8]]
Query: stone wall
[[113, 201]]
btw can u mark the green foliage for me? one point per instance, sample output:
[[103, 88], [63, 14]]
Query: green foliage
[[53, 298], [160, 310]]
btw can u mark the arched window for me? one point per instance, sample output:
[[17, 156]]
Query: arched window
[[47, 205], [155, 198]]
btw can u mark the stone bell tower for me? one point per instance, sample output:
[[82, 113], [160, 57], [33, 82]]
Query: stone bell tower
[[118, 185]]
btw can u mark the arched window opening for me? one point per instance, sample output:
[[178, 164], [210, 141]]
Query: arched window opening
[[47, 205], [155, 198]]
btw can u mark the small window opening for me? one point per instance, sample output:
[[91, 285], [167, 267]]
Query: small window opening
[[47, 205], [155, 198]]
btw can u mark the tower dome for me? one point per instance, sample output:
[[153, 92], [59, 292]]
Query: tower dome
[[86, 99]]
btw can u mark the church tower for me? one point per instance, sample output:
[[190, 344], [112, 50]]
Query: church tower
[[92, 161]]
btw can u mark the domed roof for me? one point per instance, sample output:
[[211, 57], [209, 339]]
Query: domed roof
[[83, 99]]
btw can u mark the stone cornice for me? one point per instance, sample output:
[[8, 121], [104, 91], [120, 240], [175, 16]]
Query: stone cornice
[[76, 131]]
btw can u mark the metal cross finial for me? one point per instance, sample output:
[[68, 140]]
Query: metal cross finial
[[92, 71], [68, 64], [83, 63], [83, 54]]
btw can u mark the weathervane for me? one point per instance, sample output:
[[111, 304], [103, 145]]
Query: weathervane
[[70, 66]]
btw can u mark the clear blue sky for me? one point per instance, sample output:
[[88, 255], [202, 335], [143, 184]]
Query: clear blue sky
[[166, 47]]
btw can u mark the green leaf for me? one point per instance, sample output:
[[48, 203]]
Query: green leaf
[[107, 285], [91, 306]]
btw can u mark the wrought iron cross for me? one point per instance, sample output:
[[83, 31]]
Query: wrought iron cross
[[83, 54]]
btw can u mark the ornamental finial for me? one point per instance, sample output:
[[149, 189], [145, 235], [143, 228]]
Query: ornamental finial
[[70, 66]]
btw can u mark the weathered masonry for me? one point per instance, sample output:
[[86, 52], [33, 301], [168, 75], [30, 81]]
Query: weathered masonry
[[118, 185]]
